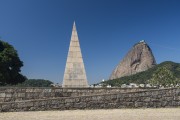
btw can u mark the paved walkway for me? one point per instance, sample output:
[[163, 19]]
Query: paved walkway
[[110, 114]]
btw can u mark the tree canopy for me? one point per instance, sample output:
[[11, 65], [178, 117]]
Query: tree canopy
[[10, 65], [163, 77]]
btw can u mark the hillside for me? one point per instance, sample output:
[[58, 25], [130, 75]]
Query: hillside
[[143, 77]]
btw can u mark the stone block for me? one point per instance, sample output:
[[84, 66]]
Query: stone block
[[157, 104], [42, 103], [58, 90], [19, 99], [8, 94], [29, 95], [47, 94], [170, 98], [0, 108], [32, 108], [29, 90], [58, 94], [41, 95], [147, 99], [2, 99], [5, 107], [77, 100], [21, 95], [22, 90], [37, 95], [37, 103], [69, 100], [29, 104], [2, 95], [14, 94], [37, 90], [164, 103], [61, 101], [47, 90], [21, 105], [138, 104], [8, 99], [130, 104], [9, 90]]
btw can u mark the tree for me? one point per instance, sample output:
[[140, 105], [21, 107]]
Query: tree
[[10, 65], [163, 77]]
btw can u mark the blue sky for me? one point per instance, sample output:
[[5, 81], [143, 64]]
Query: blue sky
[[40, 30]]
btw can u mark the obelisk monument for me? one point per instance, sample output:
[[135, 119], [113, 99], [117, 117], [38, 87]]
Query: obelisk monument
[[75, 74]]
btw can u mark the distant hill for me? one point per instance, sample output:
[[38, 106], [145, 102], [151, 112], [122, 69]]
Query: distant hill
[[143, 77], [33, 83]]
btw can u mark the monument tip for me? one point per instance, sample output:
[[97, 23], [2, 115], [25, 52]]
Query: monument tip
[[74, 24]]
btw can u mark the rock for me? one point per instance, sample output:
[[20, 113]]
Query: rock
[[138, 59]]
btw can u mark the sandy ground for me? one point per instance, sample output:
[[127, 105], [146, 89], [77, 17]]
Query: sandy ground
[[110, 114]]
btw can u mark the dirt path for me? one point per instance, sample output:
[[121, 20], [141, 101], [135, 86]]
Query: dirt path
[[110, 114]]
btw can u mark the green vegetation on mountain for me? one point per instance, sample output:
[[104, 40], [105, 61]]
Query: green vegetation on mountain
[[163, 74], [10, 65], [35, 83]]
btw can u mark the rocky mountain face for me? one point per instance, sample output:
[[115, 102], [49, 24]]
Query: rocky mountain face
[[138, 59]]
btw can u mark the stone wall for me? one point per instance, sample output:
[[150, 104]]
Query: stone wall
[[145, 99], [19, 94]]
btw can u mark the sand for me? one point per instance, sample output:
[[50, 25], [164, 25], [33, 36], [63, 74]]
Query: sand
[[110, 114]]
